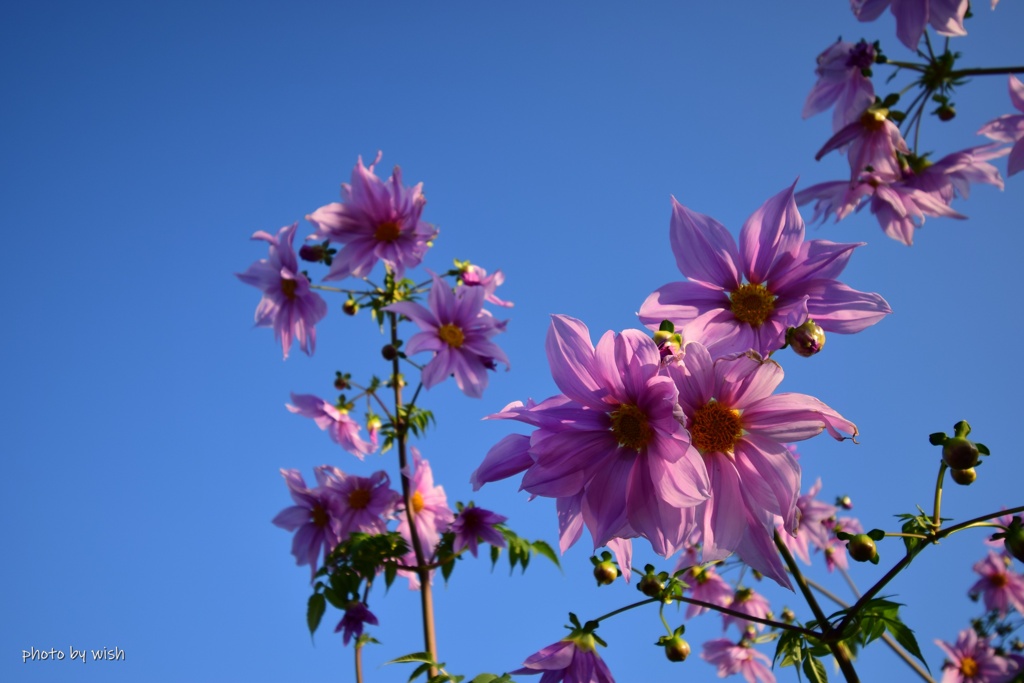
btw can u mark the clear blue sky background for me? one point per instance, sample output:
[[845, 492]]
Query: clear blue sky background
[[143, 417]]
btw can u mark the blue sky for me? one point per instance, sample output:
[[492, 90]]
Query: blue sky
[[144, 421]]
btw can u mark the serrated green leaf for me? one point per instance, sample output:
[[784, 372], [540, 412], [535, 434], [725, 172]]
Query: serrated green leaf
[[815, 670], [790, 648], [542, 548], [315, 611]]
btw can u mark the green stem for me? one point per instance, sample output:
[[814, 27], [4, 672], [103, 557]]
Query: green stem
[[359, 663], [936, 520], [422, 571], [625, 609], [839, 651], [990, 71]]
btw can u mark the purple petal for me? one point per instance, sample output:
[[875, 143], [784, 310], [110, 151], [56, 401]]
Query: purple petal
[[794, 417], [682, 302], [776, 228], [507, 458], [571, 357], [838, 308], [704, 250]]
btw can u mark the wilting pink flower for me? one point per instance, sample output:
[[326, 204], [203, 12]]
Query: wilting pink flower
[[972, 660], [732, 658], [342, 429], [873, 141], [475, 276], [356, 615], [458, 331], [1000, 587], [429, 507], [473, 525], [707, 586], [377, 221], [610, 448], [288, 304], [363, 503], [312, 518], [573, 660], [748, 601], [787, 282], [740, 429], [1010, 128], [810, 524], [842, 83], [945, 16], [835, 551]]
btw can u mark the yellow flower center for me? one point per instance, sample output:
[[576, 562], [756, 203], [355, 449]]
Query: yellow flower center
[[359, 499], [451, 335], [715, 428], [319, 516], [417, 502], [388, 231], [874, 119], [968, 667], [288, 288], [630, 427], [752, 304]]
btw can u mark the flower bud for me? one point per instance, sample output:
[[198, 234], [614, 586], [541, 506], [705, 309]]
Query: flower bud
[[350, 307], [964, 477], [960, 453], [862, 548], [676, 649], [1013, 538], [340, 381], [314, 253], [806, 340], [946, 112], [845, 502], [606, 572], [788, 616], [389, 352]]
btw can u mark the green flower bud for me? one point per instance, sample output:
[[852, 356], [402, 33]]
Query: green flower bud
[[964, 477], [389, 352], [606, 572], [676, 649], [1013, 538], [806, 340], [862, 549], [350, 307], [960, 453]]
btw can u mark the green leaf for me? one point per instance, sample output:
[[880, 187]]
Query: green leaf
[[420, 670], [542, 548], [790, 648], [448, 567], [413, 657], [315, 611], [815, 670], [876, 534], [495, 554], [905, 637]]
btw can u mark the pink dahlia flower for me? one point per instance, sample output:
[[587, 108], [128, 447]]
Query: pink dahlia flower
[[748, 601], [475, 276], [732, 658], [973, 660], [473, 525], [707, 586], [810, 525], [1000, 588], [740, 428], [342, 429], [288, 304], [1010, 128], [872, 141], [842, 83], [787, 282], [458, 331], [313, 518], [610, 448], [377, 221], [356, 616], [900, 203], [429, 507], [363, 503], [945, 16], [573, 660]]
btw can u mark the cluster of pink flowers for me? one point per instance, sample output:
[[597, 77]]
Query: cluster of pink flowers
[[900, 187], [691, 448]]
